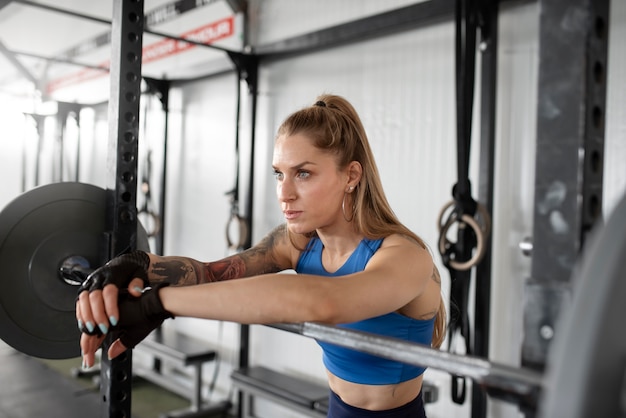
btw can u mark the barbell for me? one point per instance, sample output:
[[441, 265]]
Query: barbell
[[52, 235]]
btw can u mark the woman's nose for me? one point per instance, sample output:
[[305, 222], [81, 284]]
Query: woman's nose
[[286, 191]]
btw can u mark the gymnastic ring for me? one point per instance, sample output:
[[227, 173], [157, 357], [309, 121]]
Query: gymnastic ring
[[442, 212], [156, 222], [243, 232], [480, 242], [481, 210]]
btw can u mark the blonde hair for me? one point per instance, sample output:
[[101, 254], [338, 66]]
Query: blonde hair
[[333, 125]]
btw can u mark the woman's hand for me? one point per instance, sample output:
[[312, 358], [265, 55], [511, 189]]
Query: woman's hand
[[139, 316], [97, 302]]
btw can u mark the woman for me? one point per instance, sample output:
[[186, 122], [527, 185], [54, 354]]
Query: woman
[[358, 266]]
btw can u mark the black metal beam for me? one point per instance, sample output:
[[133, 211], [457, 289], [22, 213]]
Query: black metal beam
[[108, 22], [10, 56], [573, 43], [394, 21], [60, 60], [63, 11], [238, 6], [3, 3], [488, 114], [161, 14], [387, 23], [161, 90]]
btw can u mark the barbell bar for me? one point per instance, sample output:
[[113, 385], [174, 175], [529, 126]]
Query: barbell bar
[[511, 383]]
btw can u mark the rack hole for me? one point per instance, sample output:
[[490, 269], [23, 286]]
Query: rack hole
[[600, 27], [129, 137], [595, 162], [597, 117], [598, 72], [127, 177], [130, 117], [594, 206], [131, 57]]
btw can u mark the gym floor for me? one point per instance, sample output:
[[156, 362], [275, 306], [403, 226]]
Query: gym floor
[[33, 387]]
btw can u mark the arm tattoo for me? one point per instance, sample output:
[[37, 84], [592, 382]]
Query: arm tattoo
[[175, 270], [259, 259], [436, 277], [184, 271], [229, 268]]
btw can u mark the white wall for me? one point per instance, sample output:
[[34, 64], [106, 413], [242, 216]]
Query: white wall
[[403, 87]]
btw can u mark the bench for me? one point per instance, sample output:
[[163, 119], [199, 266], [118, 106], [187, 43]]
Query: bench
[[181, 350], [306, 397]]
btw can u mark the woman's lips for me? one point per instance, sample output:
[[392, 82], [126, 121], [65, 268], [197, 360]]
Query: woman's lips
[[291, 214]]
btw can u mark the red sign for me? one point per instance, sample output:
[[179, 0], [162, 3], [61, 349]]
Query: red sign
[[205, 34]]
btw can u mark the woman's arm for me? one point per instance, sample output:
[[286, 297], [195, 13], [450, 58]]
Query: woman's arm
[[98, 307], [272, 254], [398, 273]]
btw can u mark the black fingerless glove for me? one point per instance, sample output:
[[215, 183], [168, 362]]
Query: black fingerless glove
[[119, 271], [140, 316]]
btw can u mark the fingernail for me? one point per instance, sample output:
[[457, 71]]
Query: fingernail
[[80, 325], [138, 289], [89, 326], [103, 328], [113, 320]]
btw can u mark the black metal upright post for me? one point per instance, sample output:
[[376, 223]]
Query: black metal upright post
[[126, 54], [573, 43], [161, 89], [488, 86], [247, 69]]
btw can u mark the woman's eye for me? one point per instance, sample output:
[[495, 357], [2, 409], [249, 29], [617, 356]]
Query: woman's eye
[[303, 174], [278, 175]]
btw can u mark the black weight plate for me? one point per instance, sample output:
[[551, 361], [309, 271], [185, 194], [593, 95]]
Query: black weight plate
[[38, 231]]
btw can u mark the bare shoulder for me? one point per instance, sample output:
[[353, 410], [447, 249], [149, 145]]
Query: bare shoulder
[[406, 254], [415, 263], [406, 243]]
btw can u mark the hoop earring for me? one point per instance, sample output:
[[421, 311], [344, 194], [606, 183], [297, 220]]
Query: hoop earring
[[343, 209]]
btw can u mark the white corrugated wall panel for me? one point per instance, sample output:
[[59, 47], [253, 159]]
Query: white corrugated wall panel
[[615, 133], [201, 169], [403, 88]]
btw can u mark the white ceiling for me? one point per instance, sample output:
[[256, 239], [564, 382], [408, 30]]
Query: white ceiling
[[32, 37]]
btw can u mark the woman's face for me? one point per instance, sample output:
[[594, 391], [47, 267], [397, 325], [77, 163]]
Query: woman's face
[[309, 186]]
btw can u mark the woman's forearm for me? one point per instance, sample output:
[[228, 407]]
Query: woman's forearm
[[185, 271], [258, 300]]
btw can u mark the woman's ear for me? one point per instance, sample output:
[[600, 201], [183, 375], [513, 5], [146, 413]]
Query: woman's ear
[[355, 172]]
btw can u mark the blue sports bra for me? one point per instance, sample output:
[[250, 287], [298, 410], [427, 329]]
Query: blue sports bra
[[355, 366]]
